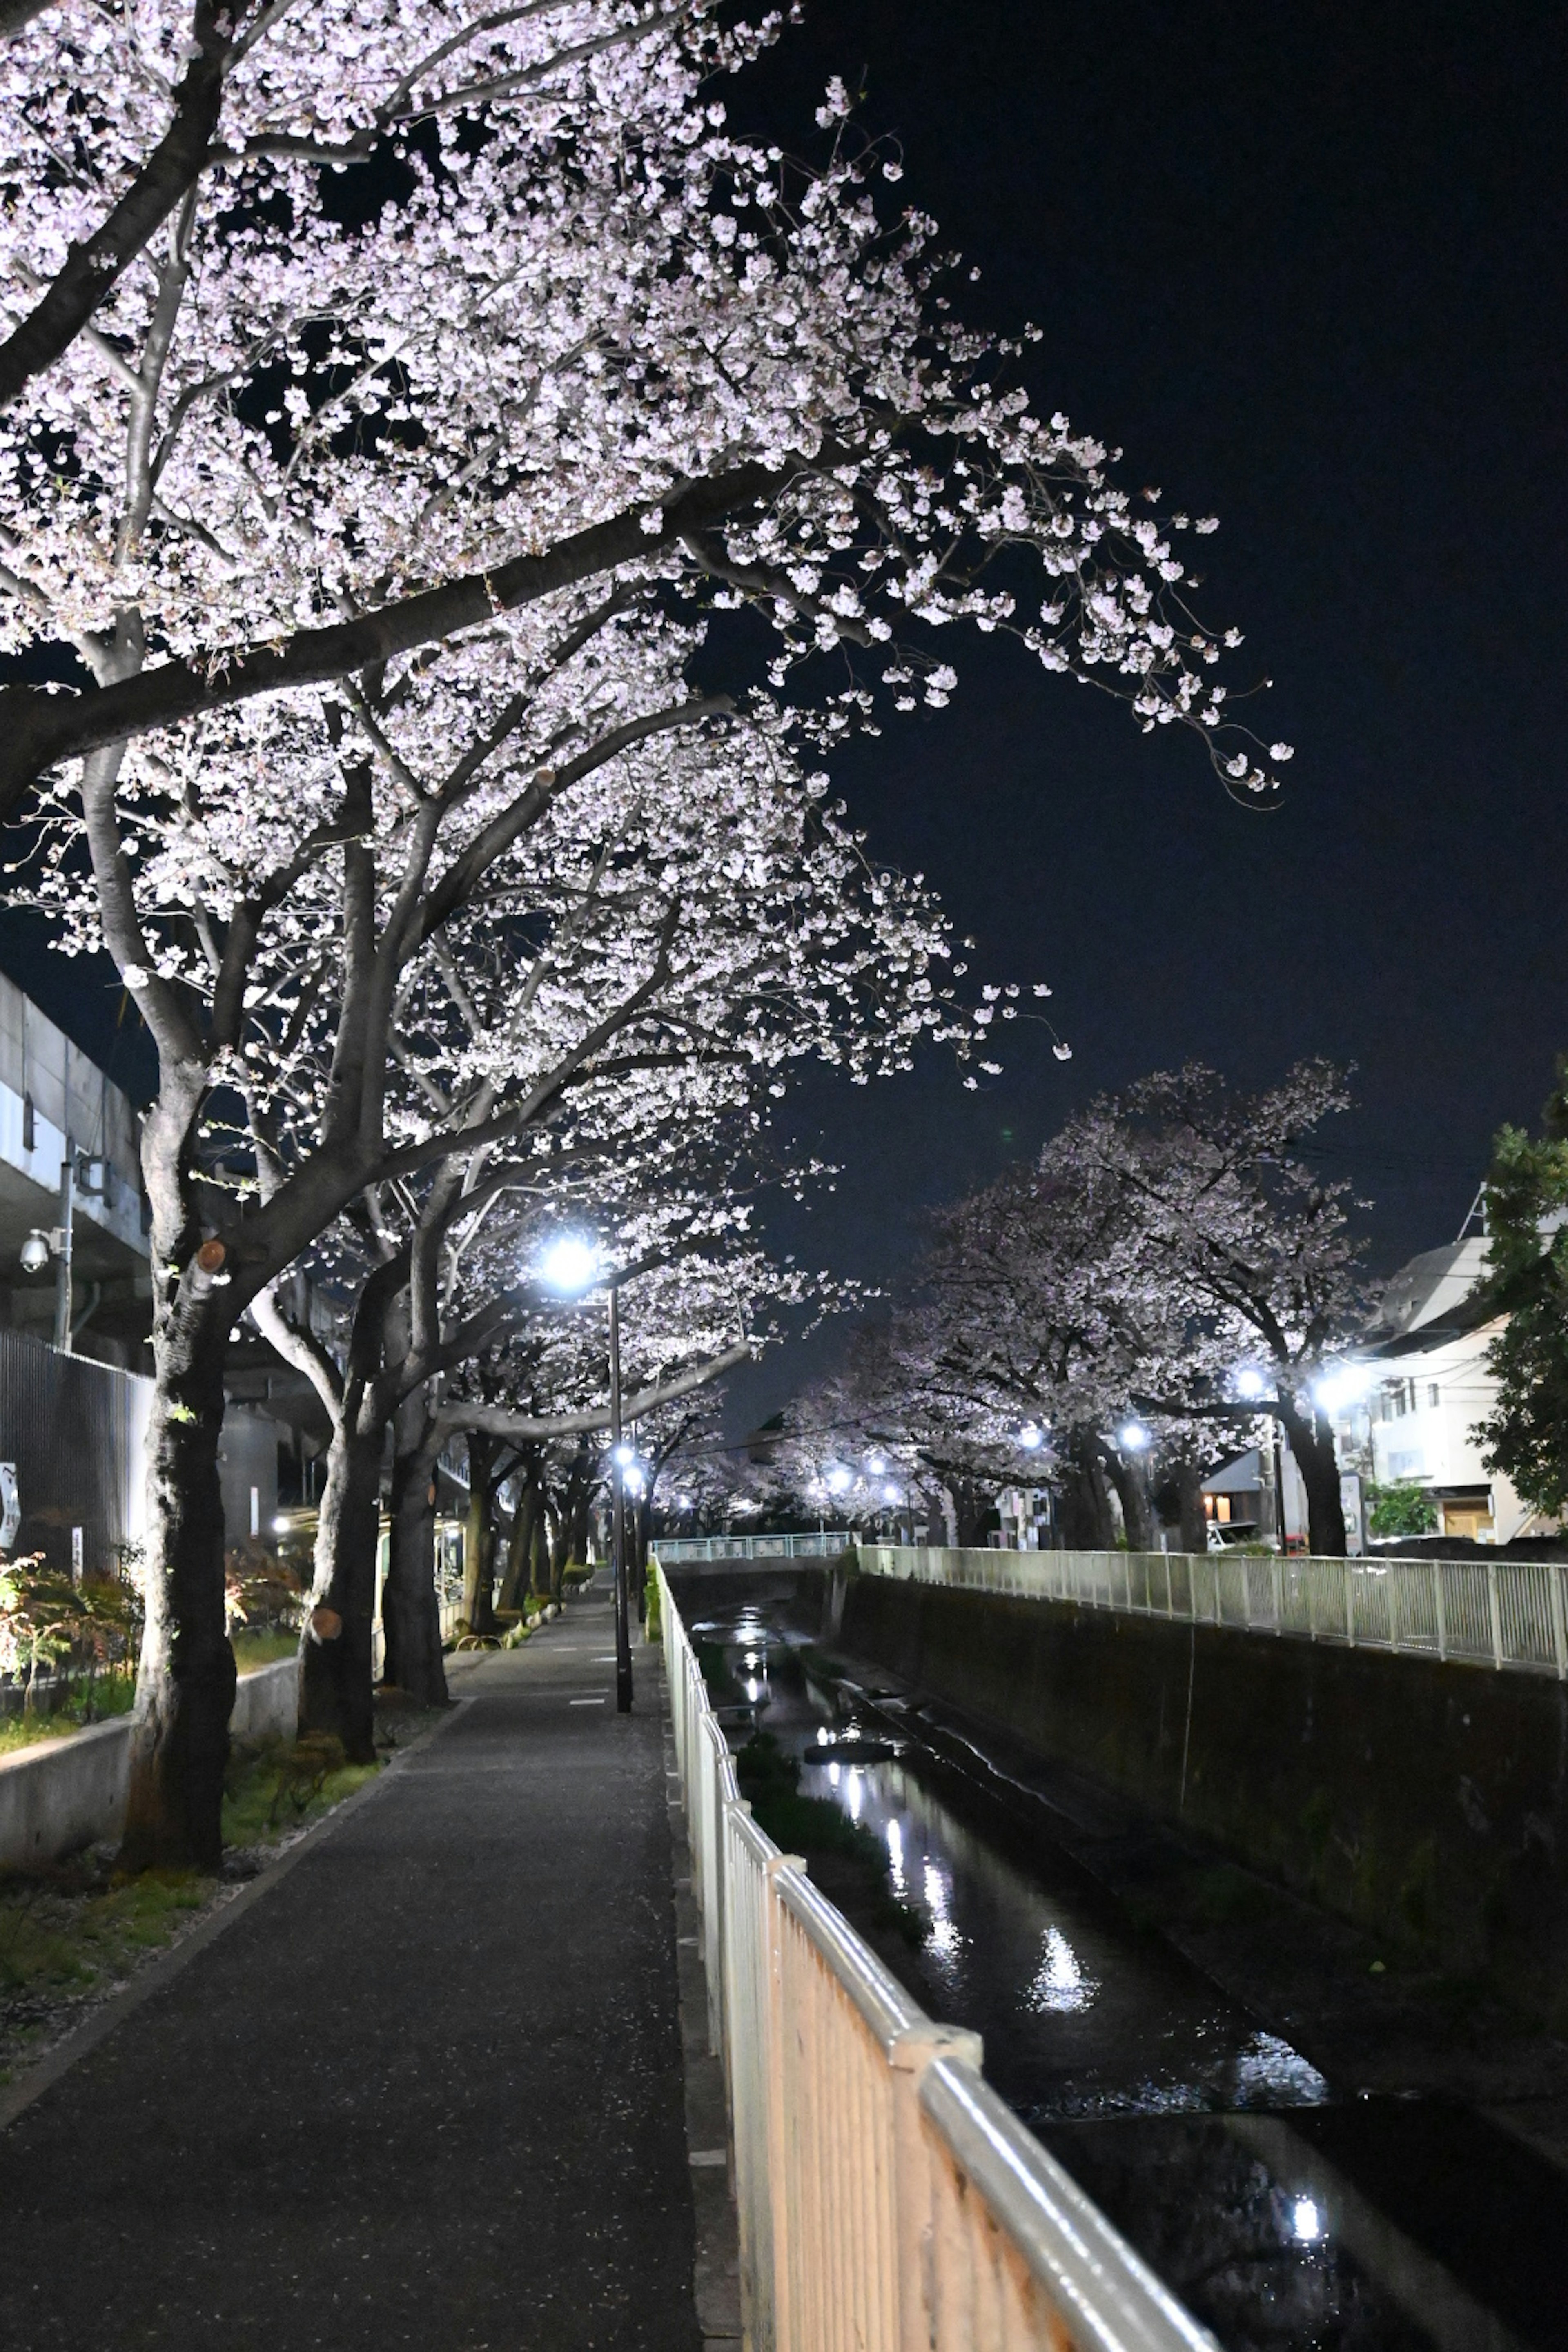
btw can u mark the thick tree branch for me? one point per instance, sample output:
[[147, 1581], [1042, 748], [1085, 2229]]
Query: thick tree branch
[[37, 729], [520, 1428]]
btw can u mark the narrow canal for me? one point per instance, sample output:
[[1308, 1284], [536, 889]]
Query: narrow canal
[[1285, 2211]]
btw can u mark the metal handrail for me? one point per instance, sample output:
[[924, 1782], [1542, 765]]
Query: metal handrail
[[886, 2197], [826, 1544], [1509, 1614]]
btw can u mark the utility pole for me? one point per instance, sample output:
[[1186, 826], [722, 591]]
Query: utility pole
[[63, 1253]]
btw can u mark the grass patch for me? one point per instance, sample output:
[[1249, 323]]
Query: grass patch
[[92, 1699]]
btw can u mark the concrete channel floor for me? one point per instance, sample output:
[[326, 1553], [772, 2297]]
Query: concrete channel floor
[[427, 2092]]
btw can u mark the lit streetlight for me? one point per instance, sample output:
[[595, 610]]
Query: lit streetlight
[[571, 1267]]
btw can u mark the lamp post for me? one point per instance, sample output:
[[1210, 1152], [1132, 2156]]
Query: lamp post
[[573, 1266], [79, 1171], [618, 1518]]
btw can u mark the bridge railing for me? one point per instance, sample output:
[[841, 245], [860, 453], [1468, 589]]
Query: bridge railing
[[887, 2199], [821, 1546], [1509, 1614]]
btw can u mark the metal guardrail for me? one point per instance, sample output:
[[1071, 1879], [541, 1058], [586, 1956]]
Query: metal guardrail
[[887, 2199], [1509, 1614], [819, 1546]]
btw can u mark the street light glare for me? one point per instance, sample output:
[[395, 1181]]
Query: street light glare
[[838, 1480], [569, 1264], [890, 1493], [1249, 1381], [1031, 1437], [1134, 1437], [624, 1455]]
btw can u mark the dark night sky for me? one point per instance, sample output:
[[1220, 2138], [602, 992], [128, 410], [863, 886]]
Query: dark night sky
[[1305, 265]]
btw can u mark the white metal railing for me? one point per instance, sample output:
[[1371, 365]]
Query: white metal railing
[[819, 1546], [887, 2199], [1509, 1614]]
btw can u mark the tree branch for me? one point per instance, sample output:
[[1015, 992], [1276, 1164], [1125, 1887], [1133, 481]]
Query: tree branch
[[37, 729]]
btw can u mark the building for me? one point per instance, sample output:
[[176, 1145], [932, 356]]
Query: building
[[1427, 1345]]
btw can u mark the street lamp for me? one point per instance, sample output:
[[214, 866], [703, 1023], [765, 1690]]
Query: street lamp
[[1031, 1437], [1133, 1436], [571, 1267]]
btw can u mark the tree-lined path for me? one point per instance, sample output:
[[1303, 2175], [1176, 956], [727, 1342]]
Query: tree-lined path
[[427, 2092]]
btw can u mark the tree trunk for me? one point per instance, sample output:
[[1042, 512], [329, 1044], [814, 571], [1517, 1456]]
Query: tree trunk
[[1312, 1443], [410, 1609], [560, 1550], [520, 1548], [1194, 1521], [1086, 1519], [638, 1532], [477, 1578], [337, 1677], [1132, 1490], [184, 1692]]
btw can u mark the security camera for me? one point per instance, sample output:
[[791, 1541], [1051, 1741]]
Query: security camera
[[35, 1251]]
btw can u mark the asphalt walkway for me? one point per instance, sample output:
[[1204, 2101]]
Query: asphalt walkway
[[427, 2092]]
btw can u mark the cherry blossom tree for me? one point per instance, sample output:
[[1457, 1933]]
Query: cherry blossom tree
[[1234, 1227], [354, 351]]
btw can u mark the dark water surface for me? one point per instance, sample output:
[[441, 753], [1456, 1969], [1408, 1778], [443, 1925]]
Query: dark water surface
[[1284, 2216]]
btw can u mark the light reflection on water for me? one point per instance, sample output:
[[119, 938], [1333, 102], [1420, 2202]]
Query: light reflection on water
[[1058, 1984], [1079, 2017]]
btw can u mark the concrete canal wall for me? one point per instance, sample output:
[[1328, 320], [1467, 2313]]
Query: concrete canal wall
[[62, 1794], [1428, 1802]]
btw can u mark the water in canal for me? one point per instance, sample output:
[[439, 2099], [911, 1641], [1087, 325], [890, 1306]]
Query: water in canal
[[1284, 2215]]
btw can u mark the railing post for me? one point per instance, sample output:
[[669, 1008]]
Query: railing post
[[916, 2220], [1439, 1611], [1495, 1613], [1350, 1603], [1393, 1572], [1558, 1628], [781, 2167], [1277, 1580]]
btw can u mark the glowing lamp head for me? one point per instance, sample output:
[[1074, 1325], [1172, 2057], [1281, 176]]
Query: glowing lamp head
[[1134, 1437], [1249, 1381], [890, 1493], [838, 1480], [1031, 1437], [625, 1456], [1346, 1385], [570, 1266]]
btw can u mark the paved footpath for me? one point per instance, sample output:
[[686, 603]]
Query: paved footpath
[[426, 2092]]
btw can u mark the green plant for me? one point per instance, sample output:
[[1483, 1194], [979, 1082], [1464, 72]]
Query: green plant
[[1526, 1435], [1400, 1508]]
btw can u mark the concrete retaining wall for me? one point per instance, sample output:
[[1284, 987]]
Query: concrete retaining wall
[[1428, 1803], [63, 1794]]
